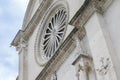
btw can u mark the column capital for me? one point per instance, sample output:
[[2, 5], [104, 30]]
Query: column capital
[[22, 44]]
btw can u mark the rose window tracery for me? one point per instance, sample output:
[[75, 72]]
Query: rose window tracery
[[54, 33]]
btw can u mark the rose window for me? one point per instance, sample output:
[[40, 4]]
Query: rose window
[[54, 33]]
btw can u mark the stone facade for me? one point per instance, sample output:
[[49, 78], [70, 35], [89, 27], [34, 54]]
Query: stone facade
[[89, 49]]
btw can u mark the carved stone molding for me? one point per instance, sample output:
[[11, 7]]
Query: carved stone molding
[[30, 27], [17, 38]]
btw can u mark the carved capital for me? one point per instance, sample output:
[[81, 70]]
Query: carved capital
[[22, 45]]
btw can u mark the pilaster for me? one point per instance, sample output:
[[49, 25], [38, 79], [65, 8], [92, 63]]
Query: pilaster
[[97, 38], [113, 59], [23, 63], [85, 13]]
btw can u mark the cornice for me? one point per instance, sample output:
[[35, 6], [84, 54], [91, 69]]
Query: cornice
[[28, 12], [17, 38], [86, 11], [32, 23], [80, 18]]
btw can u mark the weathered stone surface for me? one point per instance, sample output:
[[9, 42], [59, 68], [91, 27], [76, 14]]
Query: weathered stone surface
[[89, 51]]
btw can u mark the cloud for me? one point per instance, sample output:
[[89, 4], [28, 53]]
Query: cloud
[[7, 74], [1, 11], [20, 5], [11, 17]]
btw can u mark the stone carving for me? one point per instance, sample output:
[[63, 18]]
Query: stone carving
[[105, 66], [82, 66], [22, 45]]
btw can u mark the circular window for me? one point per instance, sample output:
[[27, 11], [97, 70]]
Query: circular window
[[54, 33], [51, 31]]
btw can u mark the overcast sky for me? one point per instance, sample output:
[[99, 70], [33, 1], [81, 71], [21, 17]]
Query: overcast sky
[[11, 17]]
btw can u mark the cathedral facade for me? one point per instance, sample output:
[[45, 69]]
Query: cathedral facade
[[69, 40]]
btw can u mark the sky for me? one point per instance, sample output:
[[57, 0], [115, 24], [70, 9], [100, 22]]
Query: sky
[[11, 18]]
